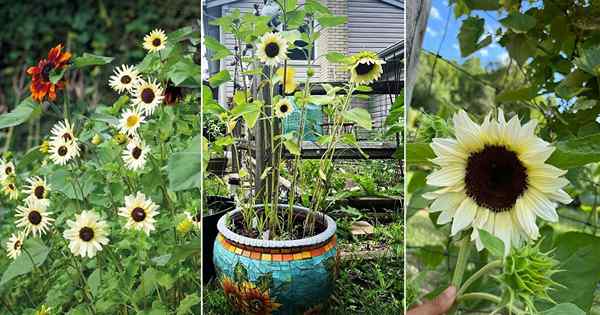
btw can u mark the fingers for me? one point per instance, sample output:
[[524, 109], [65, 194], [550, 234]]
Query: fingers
[[438, 306]]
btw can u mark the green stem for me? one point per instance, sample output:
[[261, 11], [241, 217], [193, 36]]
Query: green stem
[[481, 272], [488, 297], [459, 269]]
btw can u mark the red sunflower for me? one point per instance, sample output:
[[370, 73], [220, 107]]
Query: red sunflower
[[40, 81], [257, 302], [232, 292]]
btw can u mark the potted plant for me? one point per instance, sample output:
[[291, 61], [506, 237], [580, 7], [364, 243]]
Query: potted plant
[[273, 256]]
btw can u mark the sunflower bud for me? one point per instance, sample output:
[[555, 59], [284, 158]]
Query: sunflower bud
[[310, 72], [120, 138], [97, 139], [45, 147], [528, 274], [44, 310], [184, 226]]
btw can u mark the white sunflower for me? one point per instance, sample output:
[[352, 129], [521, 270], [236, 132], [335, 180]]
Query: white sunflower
[[10, 189], [283, 108], [195, 219], [37, 188], [366, 67], [495, 178], [130, 121], [140, 213], [124, 78], [155, 41], [34, 217], [272, 49], [14, 245], [147, 95], [135, 155], [63, 130], [87, 234], [7, 169], [62, 151]]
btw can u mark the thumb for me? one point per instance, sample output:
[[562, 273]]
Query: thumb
[[438, 306]]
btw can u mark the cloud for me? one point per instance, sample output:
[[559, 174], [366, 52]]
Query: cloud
[[431, 32], [504, 58], [435, 14], [484, 52], [456, 47]]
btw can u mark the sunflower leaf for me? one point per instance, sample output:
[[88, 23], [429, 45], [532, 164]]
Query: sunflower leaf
[[19, 115], [313, 6], [183, 168], [576, 152], [33, 253], [219, 50], [185, 307], [492, 243], [91, 60], [360, 116], [332, 20], [219, 78]]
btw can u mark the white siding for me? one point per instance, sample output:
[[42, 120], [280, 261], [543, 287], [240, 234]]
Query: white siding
[[373, 25]]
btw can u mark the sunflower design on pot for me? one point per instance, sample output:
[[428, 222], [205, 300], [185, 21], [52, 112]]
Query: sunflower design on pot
[[232, 293], [495, 178], [33, 217], [366, 68], [155, 41], [272, 49], [124, 79], [41, 85], [283, 108], [257, 301], [140, 213], [87, 234]]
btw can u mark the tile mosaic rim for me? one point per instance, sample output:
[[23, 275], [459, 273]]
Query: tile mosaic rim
[[309, 241]]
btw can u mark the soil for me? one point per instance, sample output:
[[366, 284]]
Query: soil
[[297, 232]]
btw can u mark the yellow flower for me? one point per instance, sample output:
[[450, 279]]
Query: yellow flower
[[283, 108], [366, 68], [155, 41], [185, 226], [290, 82], [45, 147]]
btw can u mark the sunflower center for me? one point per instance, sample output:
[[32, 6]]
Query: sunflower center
[[17, 245], [132, 121], [136, 152], [39, 192], [495, 178], [86, 234], [8, 170], [197, 217], [147, 95], [46, 71], [34, 217], [256, 305], [11, 186], [138, 214], [67, 136], [283, 108], [364, 68], [156, 42], [125, 79], [272, 50], [62, 151]]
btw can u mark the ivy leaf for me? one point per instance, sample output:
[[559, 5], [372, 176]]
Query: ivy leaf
[[332, 20], [24, 263], [468, 37], [492, 243], [519, 22], [20, 114], [576, 152], [219, 78], [219, 50], [360, 116], [91, 60]]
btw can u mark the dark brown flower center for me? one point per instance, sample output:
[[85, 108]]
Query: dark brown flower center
[[17, 245], [495, 178], [8, 170], [156, 42], [62, 151], [197, 217], [147, 95], [67, 136], [125, 79], [39, 192], [138, 214], [46, 71], [86, 234], [136, 152], [272, 50], [11, 186], [34, 217], [364, 68], [283, 108], [256, 306]]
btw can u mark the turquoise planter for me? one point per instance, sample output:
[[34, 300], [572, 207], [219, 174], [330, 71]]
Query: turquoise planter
[[276, 277]]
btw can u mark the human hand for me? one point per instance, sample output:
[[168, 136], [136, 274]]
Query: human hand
[[438, 306]]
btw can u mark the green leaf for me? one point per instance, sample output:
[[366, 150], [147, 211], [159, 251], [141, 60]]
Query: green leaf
[[418, 153], [572, 84], [180, 34], [332, 20], [183, 251], [576, 152], [589, 60], [55, 76], [314, 6], [24, 263], [219, 50], [336, 57], [513, 95], [219, 78], [185, 72], [184, 168], [364, 88], [519, 22], [91, 60], [292, 146], [73, 187], [486, 5], [564, 309], [20, 114], [93, 282], [360, 116], [250, 112], [470, 32], [520, 47], [190, 300], [492, 243]]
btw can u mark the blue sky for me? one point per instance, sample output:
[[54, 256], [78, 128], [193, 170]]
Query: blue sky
[[440, 11]]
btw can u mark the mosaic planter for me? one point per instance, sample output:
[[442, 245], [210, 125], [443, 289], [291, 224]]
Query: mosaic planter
[[276, 277], [218, 206]]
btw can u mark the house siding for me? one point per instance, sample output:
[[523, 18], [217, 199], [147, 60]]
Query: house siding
[[374, 25]]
